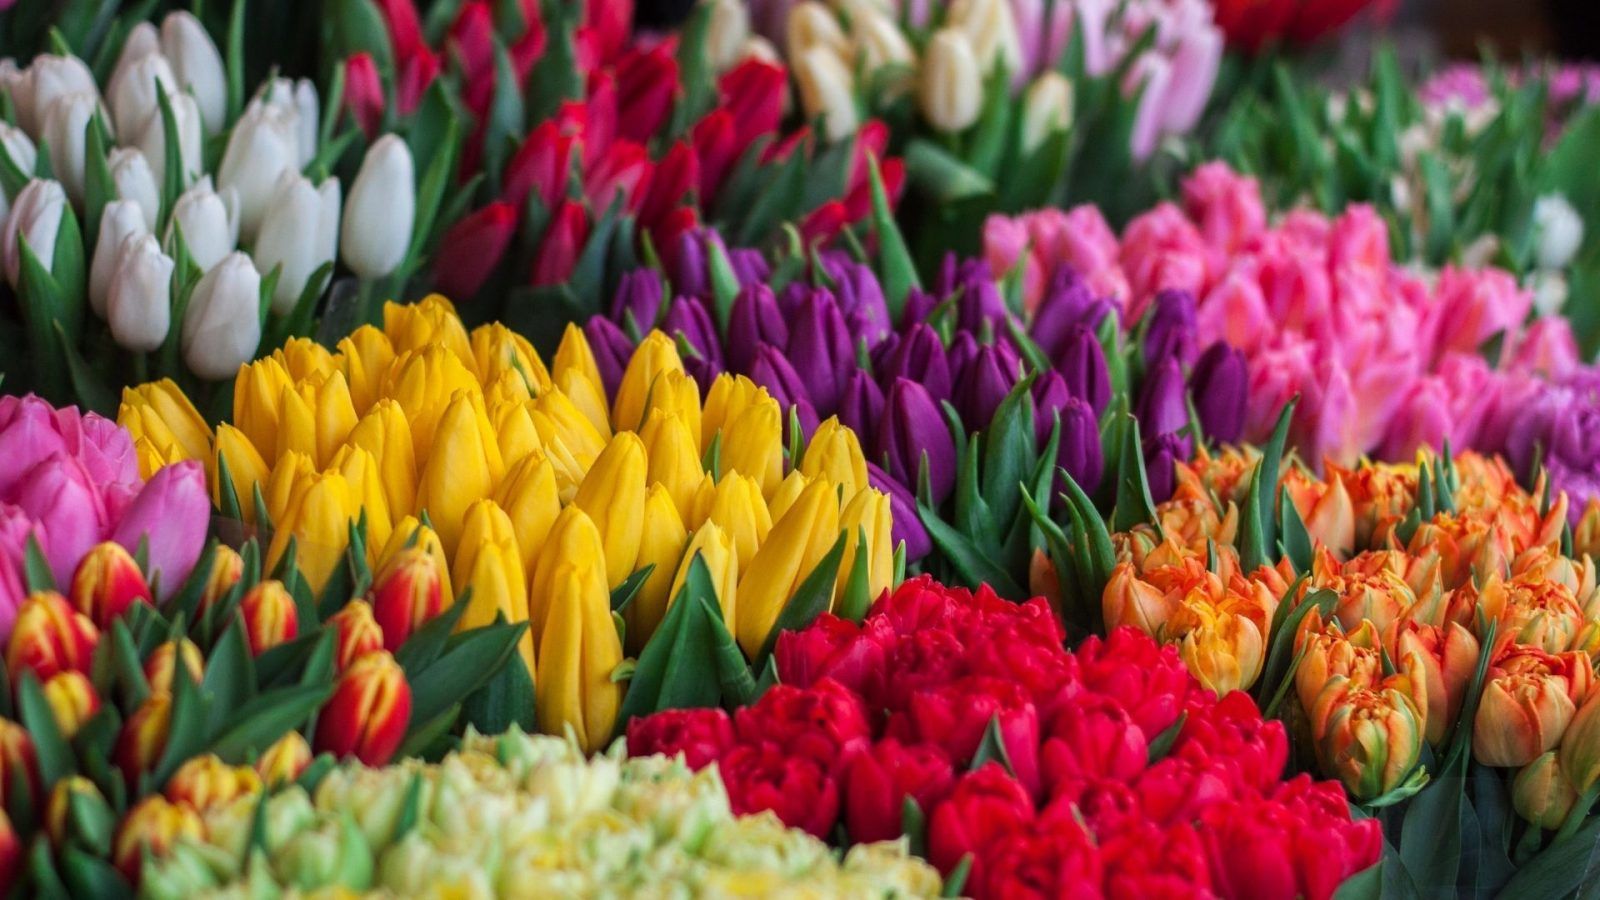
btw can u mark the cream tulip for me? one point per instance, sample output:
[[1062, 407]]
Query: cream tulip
[[299, 232], [139, 307], [121, 220], [379, 214], [197, 65], [222, 324]]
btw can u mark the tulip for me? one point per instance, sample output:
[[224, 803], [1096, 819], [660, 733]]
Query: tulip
[[406, 594], [613, 495], [913, 435], [578, 650], [1529, 699], [19, 147], [19, 764], [197, 65], [66, 123], [72, 701], [50, 637], [161, 666], [1542, 793], [1046, 110], [369, 711], [107, 582], [138, 306], [134, 90], [1558, 229], [464, 466], [135, 184], [380, 211], [227, 567], [284, 761], [120, 220], [35, 219], [950, 88], [1370, 737], [489, 563], [827, 90], [205, 782], [222, 325], [800, 537], [263, 145], [144, 736], [70, 791], [834, 455], [357, 633], [152, 141], [269, 615], [662, 546], [299, 233], [473, 247], [867, 517], [1580, 758], [207, 221], [1082, 362], [48, 78], [718, 548], [299, 98], [169, 516], [154, 826]]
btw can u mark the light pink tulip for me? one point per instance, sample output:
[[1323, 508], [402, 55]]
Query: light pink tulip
[[1226, 206], [1473, 305], [171, 513], [1162, 249], [59, 493], [1546, 348]]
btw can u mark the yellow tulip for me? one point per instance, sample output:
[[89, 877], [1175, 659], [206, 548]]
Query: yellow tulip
[[160, 407], [867, 513], [834, 454], [573, 537], [384, 433], [716, 547], [430, 322], [675, 393], [556, 418], [788, 491], [662, 546], [705, 491], [654, 355], [464, 466], [257, 396], [289, 474], [674, 462], [318, 520], [304, 358], [577, 654], [574, 357], [569, 469], [751, 426], [738, 509], [529, 496], [513, 427], [422, 382], [315, 417], [410, 532], [1225, 651], [613, 495], [360, 470], [365, 357], [798, 541], [729, 396], [489, 563], [588, 397], [246, 469], [498, 350]]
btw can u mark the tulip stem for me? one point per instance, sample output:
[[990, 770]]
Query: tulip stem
[[141, 367]]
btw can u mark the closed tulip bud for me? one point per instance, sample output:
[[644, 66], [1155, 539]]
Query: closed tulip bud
[[299, 233], [464, 466], [1371, 738], [574, 536], [246, 469], [257, 395], [827, 91], [913, 434], [154, 826], [135, 183], [120, 221], [578, 651], [152, 141], [489, 563], [222, 324], [834, 455], [656, 355], [369, 711], [206, 782], [138, 305], [227, 567], [48, 78], [531, 499], [1446, 657], [197, 65], [317, 518], [144, 736], [360, 471], [72, 701], [356, 632], [867, 516], [49, 637], [405, 595], [717, 548], [22, 152], [35, 219], [135, 88], [409, 533], [66, 124], [299, 97], [59, 823], [19, 763], [738, 508], [613, 495], [1529, 699], [160, 412], [207, 221], [950, 87], [1580, 752], [381, 209], [751, 425], [727, 33], [107, 582], [162, 665], [1046, 110], [800, 537], [10, 853], [1542, 793], [664, 537], [269, 614], [812, 24], [673, 458], [1218, 385], [262, 146], [284, 761]]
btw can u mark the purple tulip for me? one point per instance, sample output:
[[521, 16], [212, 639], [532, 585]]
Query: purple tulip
[[820, 349], [861, 403], [860, 296], [920, 357], [1161, 408], [912, 434], [881, 354], [60, 494], [1082, 362], [1080, 453], [170, 516], [1066, 302], [1220, 386], [984, 383], [1160, 458], [773, 372], [903, 506], [612, 350], [638, 295], [1171, 328], [980, 303], [689, 273], [749, 266], [1050, 396], [689, 320], [754, 320], [919, 304]]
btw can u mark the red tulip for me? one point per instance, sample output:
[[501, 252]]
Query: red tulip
[[107, 582], [416, 74], [49, 636], [824, 223], [405, 26], [826, 722], [269, 616], [406, 595], [752, 94], [600, 115], [983, 807], [877, 781], [563, 241], [624, 168], [647, 84], [543, 163], [369, 711], [606, 25], [797, 788], [472, 248], [19, 764], [716, 144], [675, 174], [363, 92], [701, 735], [527, 49], [471, 42]]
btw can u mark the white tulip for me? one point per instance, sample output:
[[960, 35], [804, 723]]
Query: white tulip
[[298, 233], [222, 324], [142, 41], [1549, 291], [299, 97], [810, 24], [950, 87], [122, 219], [135, 89], [139, 308], [1559, 230], [208, 221], [48, 79], [22, 152], [727, 33], [827, 90], [130, 172], [380, 212], [197, 65], [993, 32], [152, 141], [880, 43], [35, 217], [1046, 109], [66, 125], [263, 144]]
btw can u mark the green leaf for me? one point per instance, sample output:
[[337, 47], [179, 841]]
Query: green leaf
[[674, 669], [35, 569], [972, 564], [85, 875], [1295, 542], [896, 269], [260, 722], [506, 700], [426, 643], [957, 880], [54, 755], [127, 664], [810, 599], [625, 592], [1260, 531], [189, 725], [992, 749], [424, 735], [234, 42], [856, 600], [472, 658], [1161, 745], [1430, 837], [739, 685], [1134, 504], [172, 164]]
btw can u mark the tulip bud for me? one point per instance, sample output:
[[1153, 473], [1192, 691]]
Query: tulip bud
[[21, 150], [66, 125], [35, 218], [662, 547], [49, 637], [138, 306], [144, 736], [613, 495], [405, 595], [222, 325], [58, 816], [578, 650], [1371, 738], [531, 499], [489, 562], [800, 537], [950, 88], [120, 220], [727, 33], [155, 825], [283, 762], [206, 782], [357, 633], [19, 764], [72, 700], [1529, 700], [152, 141], [867, 516], [135, 183], [227, 567], [197, 65], [107, 582], [881, 44], [262, 147], [1046, 109], [827, 90], [1559, 231], [207, 221], [1580, 754], [381, 209], [299, 233], [368, 713], [135, 88], [48, 78], [269, 616], [363, 92], [1542, 793], [162, 665], [913, 434], [10, 853]]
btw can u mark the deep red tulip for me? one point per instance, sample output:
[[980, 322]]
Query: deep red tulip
[[471, 250]]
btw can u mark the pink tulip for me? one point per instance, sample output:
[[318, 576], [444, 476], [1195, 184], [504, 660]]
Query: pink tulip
[[15, 527], [59, 493], [1359, 241], [1227, 207], [171, 512], [31, 429], [1423, 421], [1235, 311], [28, 434], [1473, 305], [1161, 249], [1546, 348]]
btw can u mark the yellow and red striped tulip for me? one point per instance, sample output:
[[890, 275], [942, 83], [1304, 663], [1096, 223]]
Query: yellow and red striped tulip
[[161, 665], [368, 714], [283, 762], [153, 826], [356, 633], [205, 782], [144, 736], [107, 582], [406, 594], [72, 701], [49, 636]]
